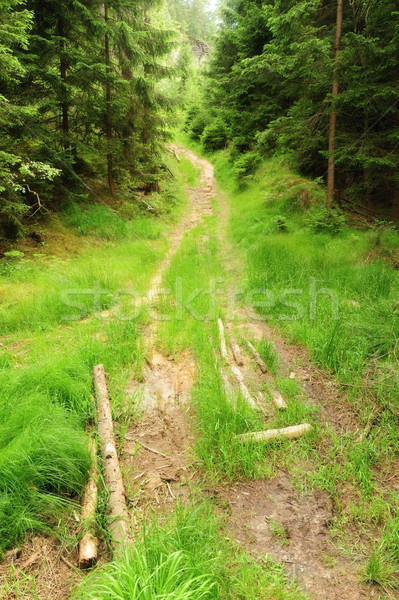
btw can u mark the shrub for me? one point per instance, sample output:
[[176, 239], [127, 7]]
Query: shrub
[[326, 220], [246, 164], [277, 224], [214, 136], [199, 120]]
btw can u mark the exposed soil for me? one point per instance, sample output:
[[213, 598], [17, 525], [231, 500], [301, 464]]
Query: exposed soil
[[36, 570], [270, 518]]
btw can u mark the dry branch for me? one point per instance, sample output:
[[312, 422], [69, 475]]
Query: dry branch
[[88, 546], [243, 388], [257, 357], [276, 434], [112, 473], [279, 400], [223, 347]]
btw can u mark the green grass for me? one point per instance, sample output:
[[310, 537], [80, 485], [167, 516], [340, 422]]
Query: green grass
[[46, 361], [187, 558], [43, 456], [97, 220]]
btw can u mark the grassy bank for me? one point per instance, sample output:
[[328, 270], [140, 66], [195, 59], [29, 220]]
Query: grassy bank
[[49, 349]]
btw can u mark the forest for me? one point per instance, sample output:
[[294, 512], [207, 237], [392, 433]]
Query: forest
[[199, 299]]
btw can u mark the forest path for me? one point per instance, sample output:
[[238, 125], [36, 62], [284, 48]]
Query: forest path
[[157, 455]]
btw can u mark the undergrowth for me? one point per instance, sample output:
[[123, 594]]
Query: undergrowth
[[187, 558]]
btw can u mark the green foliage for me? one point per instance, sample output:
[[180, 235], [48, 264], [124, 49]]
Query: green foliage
[[80, 98], [246, 164], [214, 136], [326, 220], [270, 79], [277, 224]]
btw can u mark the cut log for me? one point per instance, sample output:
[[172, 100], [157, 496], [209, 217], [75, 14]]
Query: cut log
[[223, 347], [243, 388], [257, 357], [279, 400], [289, 433], [236, 353], [112, 473], [88, 546]]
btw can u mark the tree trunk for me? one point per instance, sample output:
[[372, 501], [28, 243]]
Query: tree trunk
[[108, 106], [64, 91], [333, 116]]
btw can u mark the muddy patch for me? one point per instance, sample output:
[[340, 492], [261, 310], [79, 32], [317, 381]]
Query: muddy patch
[[156, 455], [270, 518]]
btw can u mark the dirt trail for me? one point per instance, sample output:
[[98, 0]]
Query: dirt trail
[[156, 455], [306, 547]]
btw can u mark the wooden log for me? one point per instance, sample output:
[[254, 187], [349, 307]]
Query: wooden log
[[243, 388], [236, 353], [222, 339], [290, 433], [112, 473], [88, 545], [257, 358], [279, 400]]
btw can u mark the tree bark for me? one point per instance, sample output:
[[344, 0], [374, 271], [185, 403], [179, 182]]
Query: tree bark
[[88, 546], [333, 116], [64, 91], [112, 473], [108, 105]]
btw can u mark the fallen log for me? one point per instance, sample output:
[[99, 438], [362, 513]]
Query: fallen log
[[289, 433], [257, 358], [243, 388], [222, 339], [236, 353], [112, 473], [279, 400], [88, 545]]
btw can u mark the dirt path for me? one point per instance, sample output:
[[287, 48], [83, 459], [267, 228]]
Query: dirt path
[[306, 548]]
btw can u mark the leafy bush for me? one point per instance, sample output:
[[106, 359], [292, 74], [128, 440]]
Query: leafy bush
[[326, 220], [214, 136], [246, 164]]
